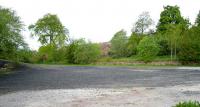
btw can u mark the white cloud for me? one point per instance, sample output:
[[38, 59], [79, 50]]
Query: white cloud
[[96, 20]]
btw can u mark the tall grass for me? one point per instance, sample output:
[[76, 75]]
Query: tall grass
[[188, 104]]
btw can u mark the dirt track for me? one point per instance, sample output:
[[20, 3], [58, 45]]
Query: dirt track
[[56, 86]]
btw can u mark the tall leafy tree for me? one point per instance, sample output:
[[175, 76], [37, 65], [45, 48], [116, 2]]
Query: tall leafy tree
[[119, 44], [133, 42], [171, 26], [173, 35], [170, 15], [50, 30], [190, 47], [143, 23], [10, 33]]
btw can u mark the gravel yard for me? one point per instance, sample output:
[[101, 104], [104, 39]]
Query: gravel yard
[[75, 86]]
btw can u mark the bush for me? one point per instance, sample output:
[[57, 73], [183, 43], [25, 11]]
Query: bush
[[105, 59], [25, 55], [133, 42], [51, 54], [189, 54], [119, 45], [190, 47], [82, 52], [188, 104], [147, 49], [46, 53]]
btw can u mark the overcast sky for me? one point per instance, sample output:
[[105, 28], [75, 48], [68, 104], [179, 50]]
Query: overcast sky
[[96, 20]]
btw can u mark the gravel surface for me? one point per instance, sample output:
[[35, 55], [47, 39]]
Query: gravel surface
[[74, 86]]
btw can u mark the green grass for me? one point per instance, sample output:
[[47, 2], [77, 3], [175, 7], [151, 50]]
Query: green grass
[[144, 66], [121, 62], [188, 104], [163, 58], [133, 59]]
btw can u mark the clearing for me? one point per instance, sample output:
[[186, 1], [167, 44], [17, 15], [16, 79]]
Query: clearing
[[99, 86]]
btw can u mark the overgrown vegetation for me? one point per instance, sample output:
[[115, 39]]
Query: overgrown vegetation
[[174, 38], [188, 104], [83, 52], [148, 48], [11, 39]]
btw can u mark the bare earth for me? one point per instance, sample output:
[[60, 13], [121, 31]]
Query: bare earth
[[99, 87]]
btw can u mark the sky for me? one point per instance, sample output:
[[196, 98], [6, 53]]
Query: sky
[[94, 20]]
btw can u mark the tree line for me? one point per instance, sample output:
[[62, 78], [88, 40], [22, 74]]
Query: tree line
[[174, 36]]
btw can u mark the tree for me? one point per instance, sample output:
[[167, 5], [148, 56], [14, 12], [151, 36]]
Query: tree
[[119, 44], [170, 27], [173, 35], [50, 30], [190, 47], [10, 34], [162, 40], [71, 49], [170, 15], [133, 42], [25, 55], [197, 21], [147, 49], [143, 23]]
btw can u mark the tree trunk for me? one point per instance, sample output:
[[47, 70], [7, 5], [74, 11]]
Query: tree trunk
[[171, 52], [175, 51], [142, 31], [51, 40]]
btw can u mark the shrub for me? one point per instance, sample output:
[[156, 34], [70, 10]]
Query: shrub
[[25, 55], [119, 45], [188, 104], [133, 42], [189, 53], [189, 46], [82, 52], [46, 53], [147, 49]]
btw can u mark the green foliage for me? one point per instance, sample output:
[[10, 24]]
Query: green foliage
[[87, 53], [190, 47], [133, 42], [46, 53], [50, 30], [188, 104], [82, 52], [163, 44], [169, 41], [170, 15], [70, 51], [25, 55], [147, 49], [119, 45], [143, 23], [173, 37], [52, 54], [10, 34]]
